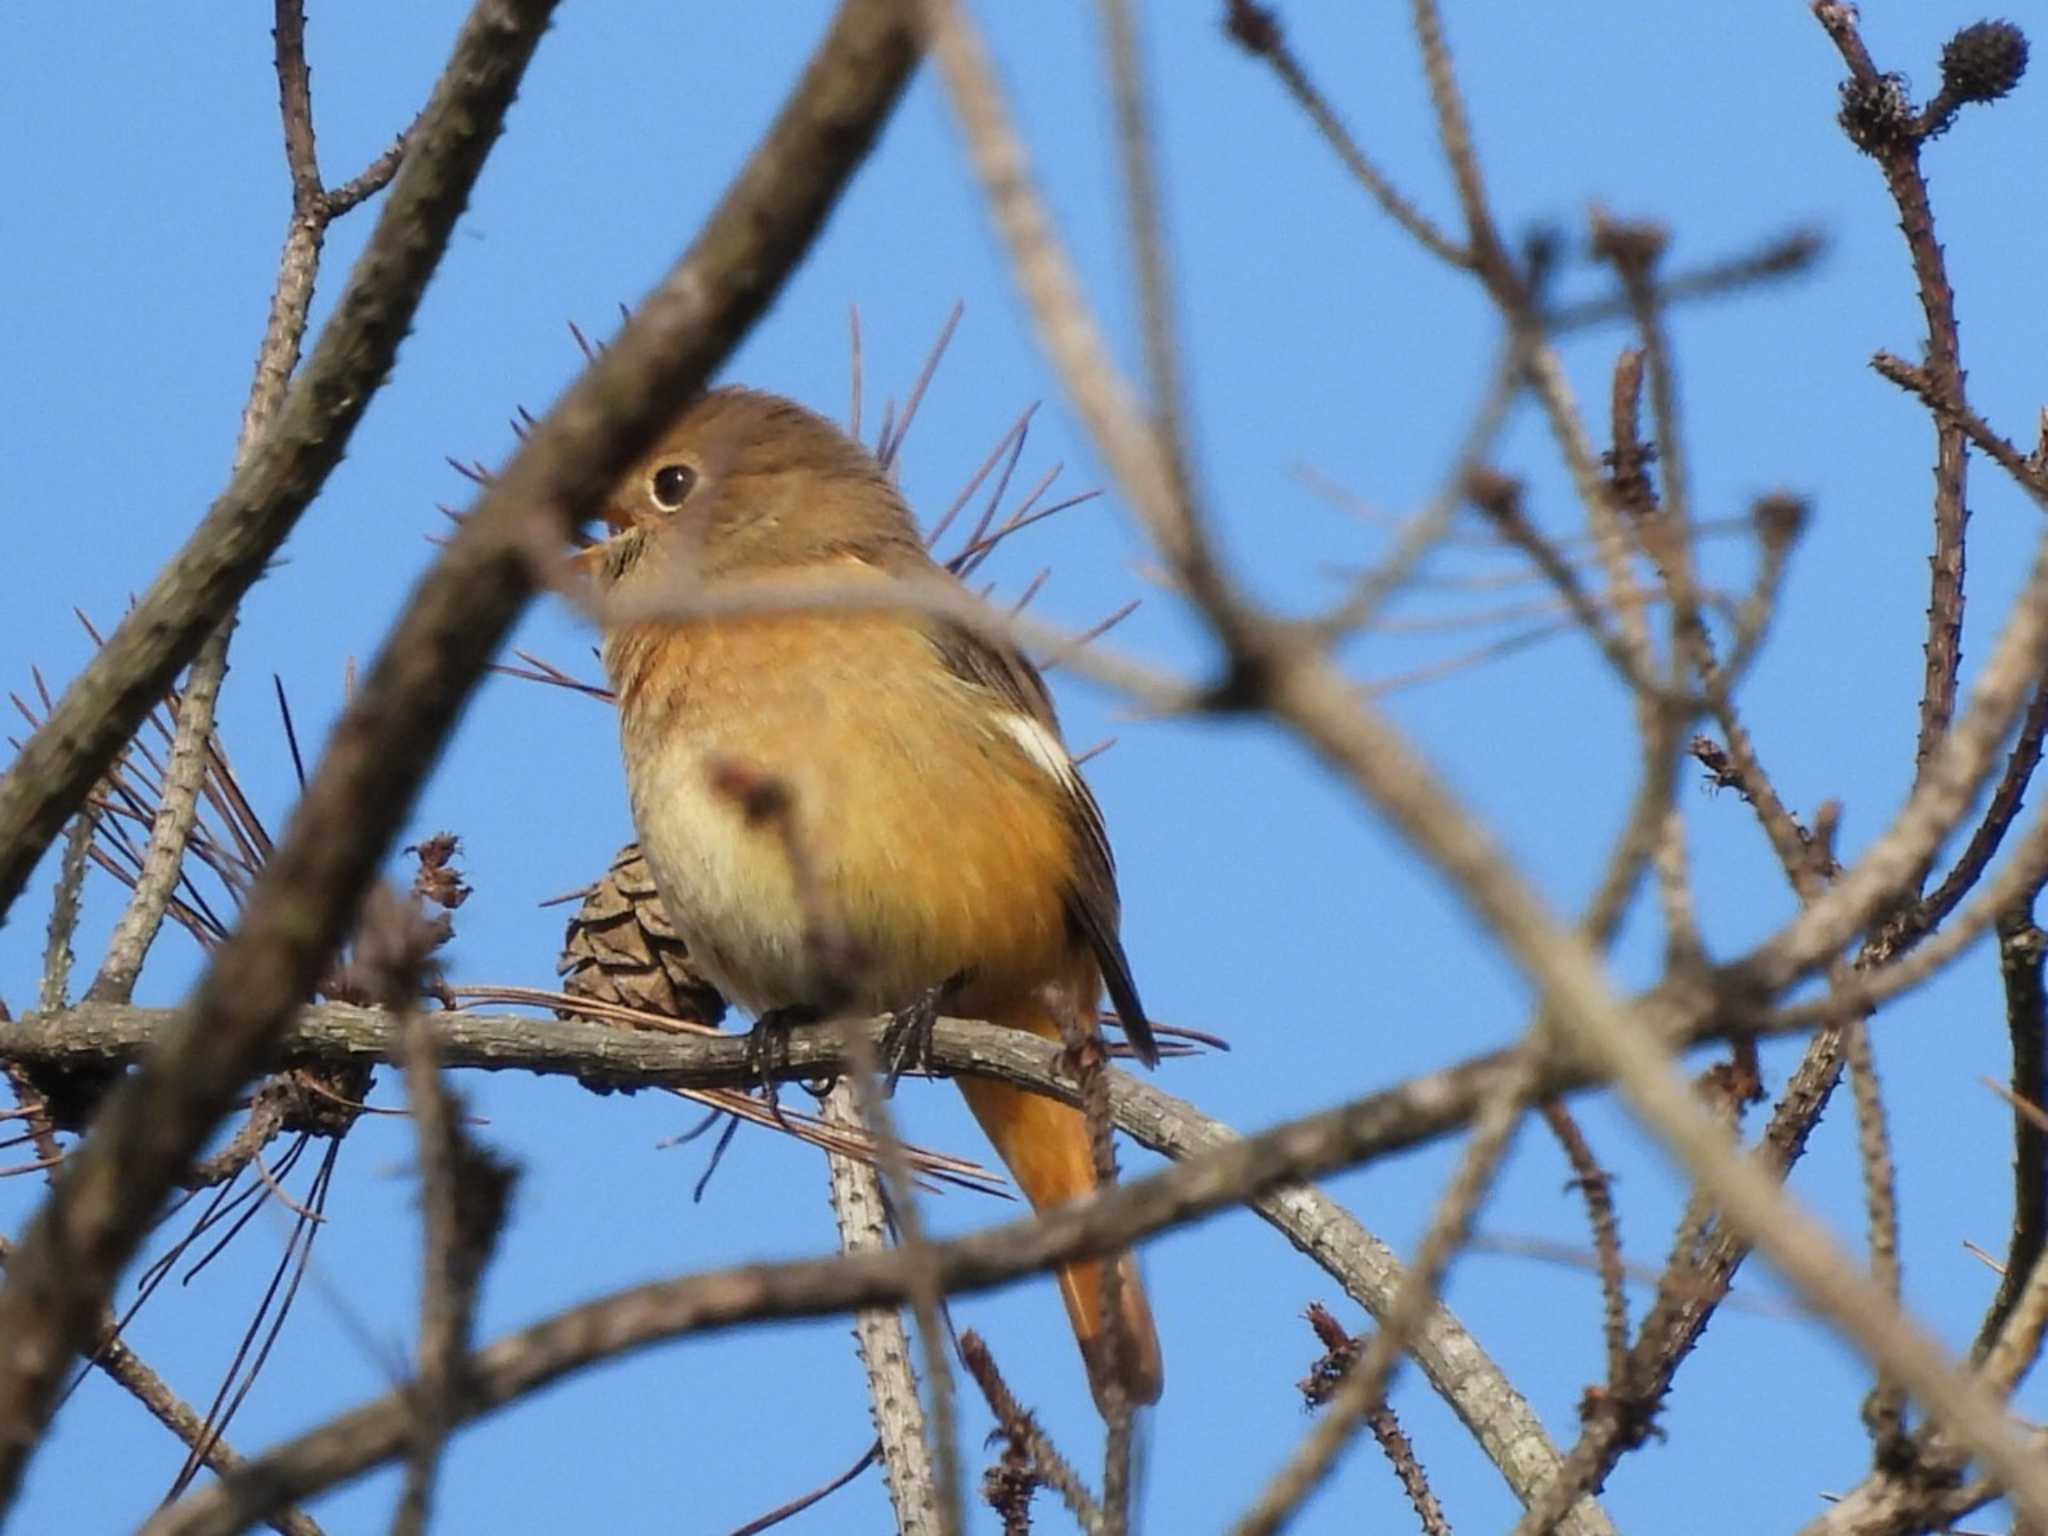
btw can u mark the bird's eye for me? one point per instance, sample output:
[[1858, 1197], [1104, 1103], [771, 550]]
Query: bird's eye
[[671, 483]]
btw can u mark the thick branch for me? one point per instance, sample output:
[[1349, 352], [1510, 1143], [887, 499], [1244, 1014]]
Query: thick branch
[[1268, 1173]]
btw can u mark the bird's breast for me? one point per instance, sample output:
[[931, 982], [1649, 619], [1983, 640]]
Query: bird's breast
[[931, 837]]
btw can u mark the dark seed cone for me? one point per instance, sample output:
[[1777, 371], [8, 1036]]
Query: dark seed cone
[[621, 948], [1984, 61]]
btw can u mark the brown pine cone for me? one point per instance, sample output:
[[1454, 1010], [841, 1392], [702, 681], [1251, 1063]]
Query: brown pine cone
[[621, 948]]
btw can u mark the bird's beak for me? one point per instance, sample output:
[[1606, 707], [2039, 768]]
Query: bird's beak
[[615, 517]]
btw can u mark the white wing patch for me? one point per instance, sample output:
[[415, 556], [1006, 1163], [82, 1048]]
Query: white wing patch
[[1041, 746]]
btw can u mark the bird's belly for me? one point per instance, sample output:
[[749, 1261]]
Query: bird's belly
[[927, 845]]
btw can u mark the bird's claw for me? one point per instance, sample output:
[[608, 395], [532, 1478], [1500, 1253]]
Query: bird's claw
[[907, 1042], [768, 1049]]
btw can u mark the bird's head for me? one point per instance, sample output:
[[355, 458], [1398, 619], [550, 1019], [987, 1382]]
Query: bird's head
[[746, 483]]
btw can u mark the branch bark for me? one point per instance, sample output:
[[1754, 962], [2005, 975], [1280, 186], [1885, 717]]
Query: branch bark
[[861, 1214], [1267, 1168]]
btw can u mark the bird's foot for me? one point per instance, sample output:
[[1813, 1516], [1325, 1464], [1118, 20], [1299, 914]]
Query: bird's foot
[[907, 1042], [768, 1049]]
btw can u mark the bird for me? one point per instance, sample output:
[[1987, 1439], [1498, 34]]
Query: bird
[[941, 820]]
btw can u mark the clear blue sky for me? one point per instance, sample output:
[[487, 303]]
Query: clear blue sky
[[144, 204]]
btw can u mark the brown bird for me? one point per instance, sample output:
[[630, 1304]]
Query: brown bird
[[945, 827]]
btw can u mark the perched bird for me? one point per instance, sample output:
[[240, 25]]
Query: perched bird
[[943, 823]]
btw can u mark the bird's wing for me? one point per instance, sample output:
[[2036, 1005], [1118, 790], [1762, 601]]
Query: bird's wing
[[1093, 908]]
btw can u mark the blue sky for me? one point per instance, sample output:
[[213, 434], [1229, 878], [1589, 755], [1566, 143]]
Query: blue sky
[[145, 204]]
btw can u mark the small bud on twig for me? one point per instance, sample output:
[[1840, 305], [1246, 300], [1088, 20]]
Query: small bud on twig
[[1877, 113], [1779, 518], [1984, 61], [1253, 28]]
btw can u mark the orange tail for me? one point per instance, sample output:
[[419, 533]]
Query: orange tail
[[1045, 1146]]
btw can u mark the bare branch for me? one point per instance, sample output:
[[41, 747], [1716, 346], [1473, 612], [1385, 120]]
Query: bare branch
[[1898, 157], [1221, 1170], [797, 1506], [177, 813], [2022, 951], [55, 988], [1017, 1423], [1346, 733], [1363, 1389], [1597, 1188], [121, 1363], [1885, 1411], [1341, 1354], [859, 1209], [1454, 131], [1144, 464], [1789, 255], [1256, 28], [465, 1193], [2026, 473]]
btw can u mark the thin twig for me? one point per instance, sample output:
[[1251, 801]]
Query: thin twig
[[1144, 464], [1788, 255], [1500, 499], [2026, 473], [176, 814], [1597, 1187], [1425, 531], [1898, 157], [54, 991], [1487, 255], [1256, 28], [927, 1291], [818, 1495], [1149, 247], [1989, 833], [1341, 1353], [136, 1377], [1946, 785], [1364, 1386], [2022, 951], [252, 1351], [1017, 1422], [1887, 974], [1084, 1051], [465, 1195], [1885, 1412], [123, 1365], [1778, 520]]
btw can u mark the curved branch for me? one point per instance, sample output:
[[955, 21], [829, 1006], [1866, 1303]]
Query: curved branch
[[1219, 1168]]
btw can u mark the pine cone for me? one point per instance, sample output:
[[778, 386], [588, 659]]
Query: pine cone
[[621, 948]]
